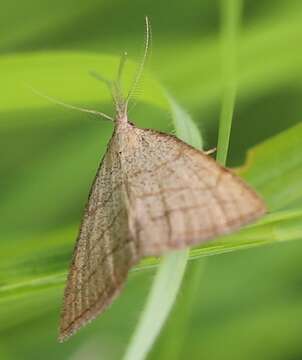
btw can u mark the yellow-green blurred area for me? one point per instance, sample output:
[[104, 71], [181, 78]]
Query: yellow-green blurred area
[[245, 304]]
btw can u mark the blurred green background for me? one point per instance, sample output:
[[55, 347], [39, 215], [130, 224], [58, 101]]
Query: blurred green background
[[246, 304]]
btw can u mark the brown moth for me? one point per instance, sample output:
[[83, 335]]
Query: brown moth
[[152, 193]]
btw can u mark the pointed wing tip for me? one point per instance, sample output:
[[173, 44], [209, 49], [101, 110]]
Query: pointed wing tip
[[67, 333], [64, 335], [260, 211], [263, 208], [62, 338], [259, 214]]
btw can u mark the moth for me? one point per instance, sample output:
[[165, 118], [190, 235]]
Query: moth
[[152, 193]]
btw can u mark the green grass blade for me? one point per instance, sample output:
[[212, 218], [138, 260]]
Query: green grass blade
[[158, 306], [230, 15], [171, 270], [179, 322]]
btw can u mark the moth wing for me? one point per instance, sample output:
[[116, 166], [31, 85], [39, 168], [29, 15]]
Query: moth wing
[[182, 197], [104, 251]]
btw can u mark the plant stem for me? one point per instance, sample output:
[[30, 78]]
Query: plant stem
[[230, 18], [159, 303], [177, 330], [170, 272]]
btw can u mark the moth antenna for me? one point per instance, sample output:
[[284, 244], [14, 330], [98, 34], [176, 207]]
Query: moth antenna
[[114, 86], [69, 106], [101, 78], [120, 69], [134, 101], [142, 64], [108, 82], [121, 103], [133, 104]]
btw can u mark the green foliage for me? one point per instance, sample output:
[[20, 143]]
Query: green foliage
[[249, 302]]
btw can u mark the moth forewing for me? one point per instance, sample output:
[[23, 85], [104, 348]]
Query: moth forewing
[[105, 250]]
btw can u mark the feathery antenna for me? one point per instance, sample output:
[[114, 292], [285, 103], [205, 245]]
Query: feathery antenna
[[121, 68], [142, 64]]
